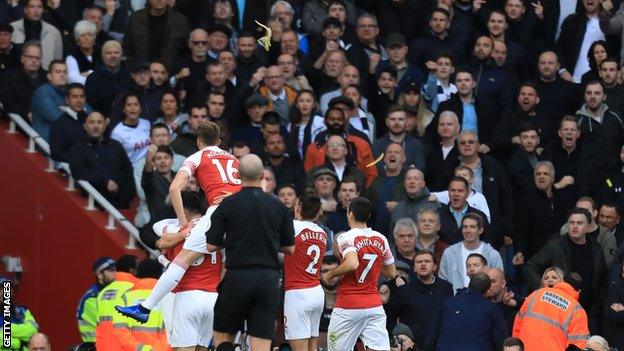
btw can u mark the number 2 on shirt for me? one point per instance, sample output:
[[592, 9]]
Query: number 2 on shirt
[[371, 260], [315, 253]]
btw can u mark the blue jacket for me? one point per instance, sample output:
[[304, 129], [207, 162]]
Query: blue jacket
[[44, 105], [493, 86], [467, 322]]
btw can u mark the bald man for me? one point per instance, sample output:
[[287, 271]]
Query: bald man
[[39, 342], [501, 296], [258, 227]]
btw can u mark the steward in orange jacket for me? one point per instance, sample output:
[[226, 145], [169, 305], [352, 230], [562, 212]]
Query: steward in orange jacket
[[551, 319], [107, 299]]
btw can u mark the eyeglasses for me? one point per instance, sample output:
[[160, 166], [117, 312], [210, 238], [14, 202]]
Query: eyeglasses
[[467, 142], [199, 42], [32, 57]]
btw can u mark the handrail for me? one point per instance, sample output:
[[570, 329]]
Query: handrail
[[94, 196]]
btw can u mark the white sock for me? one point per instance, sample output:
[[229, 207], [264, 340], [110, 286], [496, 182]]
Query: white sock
[[166, 283]]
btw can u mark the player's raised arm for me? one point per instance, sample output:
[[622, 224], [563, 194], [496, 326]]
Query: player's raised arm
[[175, 194]]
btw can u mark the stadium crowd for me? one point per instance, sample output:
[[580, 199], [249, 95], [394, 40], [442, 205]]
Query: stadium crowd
[[488, 136]]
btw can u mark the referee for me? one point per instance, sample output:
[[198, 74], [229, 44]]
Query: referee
[[258, 226]]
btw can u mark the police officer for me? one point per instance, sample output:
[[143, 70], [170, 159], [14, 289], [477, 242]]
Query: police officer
[[258, 226], [23, 324], [86, 314]]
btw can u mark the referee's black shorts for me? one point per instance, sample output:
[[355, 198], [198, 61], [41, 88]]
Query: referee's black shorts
[[248, 294]]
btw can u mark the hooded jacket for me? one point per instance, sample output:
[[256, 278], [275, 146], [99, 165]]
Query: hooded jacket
[[452, 265]]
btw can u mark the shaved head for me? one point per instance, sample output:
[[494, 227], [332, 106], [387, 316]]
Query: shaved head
[[250, 169]]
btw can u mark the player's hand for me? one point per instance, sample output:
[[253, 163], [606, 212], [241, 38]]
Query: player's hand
[[538, 9], [518, 259], [326, 278], [112, 186], [217, 200]]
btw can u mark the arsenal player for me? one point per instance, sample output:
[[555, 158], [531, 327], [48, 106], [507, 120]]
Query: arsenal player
[[304, 296], [358, 312], [196, 293], [216, 171]]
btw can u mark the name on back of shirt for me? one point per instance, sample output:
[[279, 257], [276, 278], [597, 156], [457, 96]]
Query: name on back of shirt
[[308, 234], [369, 242]]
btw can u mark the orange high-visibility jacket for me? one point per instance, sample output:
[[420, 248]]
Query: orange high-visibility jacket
[[551, 319], [136, 336], [107, 299]]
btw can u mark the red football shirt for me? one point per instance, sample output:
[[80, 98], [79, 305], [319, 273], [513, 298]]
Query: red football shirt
[[302, 269], [358, 289], [216, 171]]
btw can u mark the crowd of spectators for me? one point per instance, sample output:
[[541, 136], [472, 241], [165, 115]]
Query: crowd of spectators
[[472, 126]]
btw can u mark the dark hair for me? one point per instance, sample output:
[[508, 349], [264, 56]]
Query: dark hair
[[334, 109], [350, 179], [172, 93], [612, 205], [423, 252], [446, 54], [157, 60], [246, 34], [529, 84], [527, 126], [457, 72], [217, 93], [441, 10], [330, 259], [462, 180], [191, 202], [166, 149], [593, 65], [394, 108], [286, 185], [595, 82], [390, 70], [197, 105], [55, 62], [361, 209], [475, 217], [498, 12], [295, 113], [580, 211], [209, 133], [480, 282], [149, 268], [310, 205], [270, 117], [513, 341], [126, 263], [611, 59], [479, 256], [574, 279], [72, 86], [339, 2], [127, 96]]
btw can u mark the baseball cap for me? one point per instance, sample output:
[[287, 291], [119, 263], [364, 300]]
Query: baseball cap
[[324, 171], [395, 39], [5, 27], [139, 65], [411, 86], [256, 99], [103, 263], [341, 100], [332, 21], [402, 329]]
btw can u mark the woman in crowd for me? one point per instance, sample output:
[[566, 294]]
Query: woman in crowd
[[82, 61], [305, 123], [412, 101], [133, 132], [596, 54], [366, 121], [551, 276], [170, 113], [287, 195]]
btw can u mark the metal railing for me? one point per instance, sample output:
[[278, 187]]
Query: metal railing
[[93, 196]]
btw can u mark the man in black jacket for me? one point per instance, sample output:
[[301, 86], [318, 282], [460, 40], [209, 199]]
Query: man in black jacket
[[416, 302], [575, 252], [436, 40], [68, 129], [558, 97], [108, 80], [103, 162], [491, 180], [451, 215], [609, 69]]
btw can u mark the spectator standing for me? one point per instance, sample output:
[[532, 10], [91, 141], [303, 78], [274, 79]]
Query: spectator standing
[[185, 144], [68, 129], [468, 321], [32, 27], [133, 131], [48, 98], [108, 80], [428, 225], [9, 52], [83, 60], [142, 86], [405, 234], [170, 114], [285, 168], [608, 72], [18, 84], [281, 96], [157, 177], [558, 97], [416, 197], [155, 32], [103, 162], [453, 263], [442, 154], [438, 87], [305, 124], [609, 218]]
